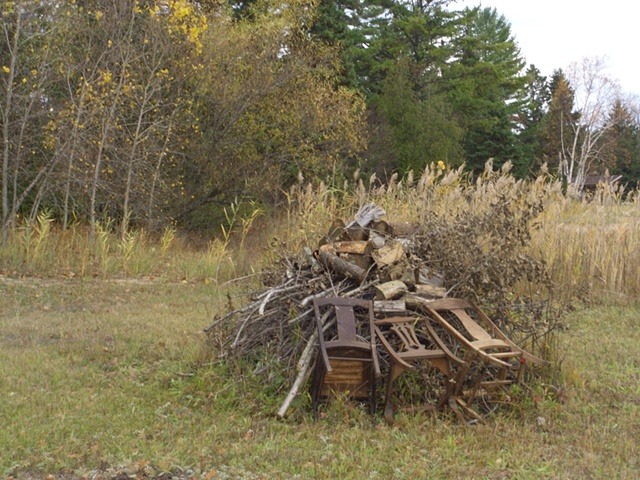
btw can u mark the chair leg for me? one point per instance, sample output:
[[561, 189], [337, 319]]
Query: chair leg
[[316, 384], [372, 394], [461, 374], [394, 372]]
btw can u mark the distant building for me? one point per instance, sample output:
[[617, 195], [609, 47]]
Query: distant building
[[592, 181]]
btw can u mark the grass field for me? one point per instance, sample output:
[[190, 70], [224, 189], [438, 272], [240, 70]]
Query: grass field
[[98, 381]]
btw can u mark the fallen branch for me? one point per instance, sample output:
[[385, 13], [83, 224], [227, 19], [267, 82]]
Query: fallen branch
[[304, 365]]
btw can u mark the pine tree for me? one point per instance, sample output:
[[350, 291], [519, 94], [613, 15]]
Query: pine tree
[[486, 88], [622, 145], [531, 117]]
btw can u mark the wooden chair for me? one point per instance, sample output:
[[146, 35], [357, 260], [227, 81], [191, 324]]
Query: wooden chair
[[501, 360], [348, 363], [406, 346]]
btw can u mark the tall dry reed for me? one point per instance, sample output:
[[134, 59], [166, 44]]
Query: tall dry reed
[[591, 246]]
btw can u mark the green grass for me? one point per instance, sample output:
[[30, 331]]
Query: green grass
[[98, 379]]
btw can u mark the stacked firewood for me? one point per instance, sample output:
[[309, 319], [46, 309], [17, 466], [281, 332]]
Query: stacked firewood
[[366, 258]]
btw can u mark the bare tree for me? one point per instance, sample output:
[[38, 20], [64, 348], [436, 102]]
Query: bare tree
[[29, 43]]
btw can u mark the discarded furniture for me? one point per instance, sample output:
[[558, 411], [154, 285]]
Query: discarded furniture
[[491, 358], [409, 340], [347, 363]]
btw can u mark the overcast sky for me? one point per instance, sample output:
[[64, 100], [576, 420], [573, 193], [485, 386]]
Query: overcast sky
[[553, 33]]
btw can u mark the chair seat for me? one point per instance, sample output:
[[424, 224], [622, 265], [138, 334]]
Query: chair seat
[[421, 354], [490, 343]]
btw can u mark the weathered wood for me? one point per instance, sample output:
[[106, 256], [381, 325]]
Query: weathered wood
[[355, 252], [389, 306], [414, 302], [389, 254], [390, 290], [336, 232], [431, 292], [338, 265], [380, 227], [303, 373], [304, 366], [403, 271], [402, 229], [359, 247], [426, 276]]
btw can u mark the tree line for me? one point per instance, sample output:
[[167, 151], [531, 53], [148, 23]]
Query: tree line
[[152, 112]]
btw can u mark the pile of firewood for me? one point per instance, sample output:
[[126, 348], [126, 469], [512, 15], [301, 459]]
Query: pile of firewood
[[366, 258]]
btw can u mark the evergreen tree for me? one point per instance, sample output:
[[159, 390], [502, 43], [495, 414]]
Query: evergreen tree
[[422, 131], [486, 88], [558, 125], [538, 96], [401, 73], [622, 145]]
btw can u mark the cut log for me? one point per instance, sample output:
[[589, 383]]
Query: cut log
[[390, 290], [336, 232], [358, 247], [357, 233], [338, 265], [362, 261], [389, 306], [355, 252], [380, 227], [402, 229], [389, 254], [415, 302], [402, 271], [430, 292]]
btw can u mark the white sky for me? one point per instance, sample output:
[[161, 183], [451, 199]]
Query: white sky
[[554, 33]]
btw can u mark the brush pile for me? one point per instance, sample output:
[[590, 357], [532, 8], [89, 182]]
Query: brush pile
[[366, 258]]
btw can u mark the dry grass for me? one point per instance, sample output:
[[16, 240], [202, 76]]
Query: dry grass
[[98, 379]]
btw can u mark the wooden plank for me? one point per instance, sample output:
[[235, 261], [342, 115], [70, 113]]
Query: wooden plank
[[475, 330], [360, 247]]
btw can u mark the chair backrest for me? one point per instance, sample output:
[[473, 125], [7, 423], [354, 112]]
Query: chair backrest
[[485, 329], [403, 329]]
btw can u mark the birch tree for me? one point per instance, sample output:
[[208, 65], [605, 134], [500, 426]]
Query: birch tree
[[581, 150]]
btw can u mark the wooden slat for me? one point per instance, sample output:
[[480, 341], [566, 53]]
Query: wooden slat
[[475, 330], [490, 343]]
